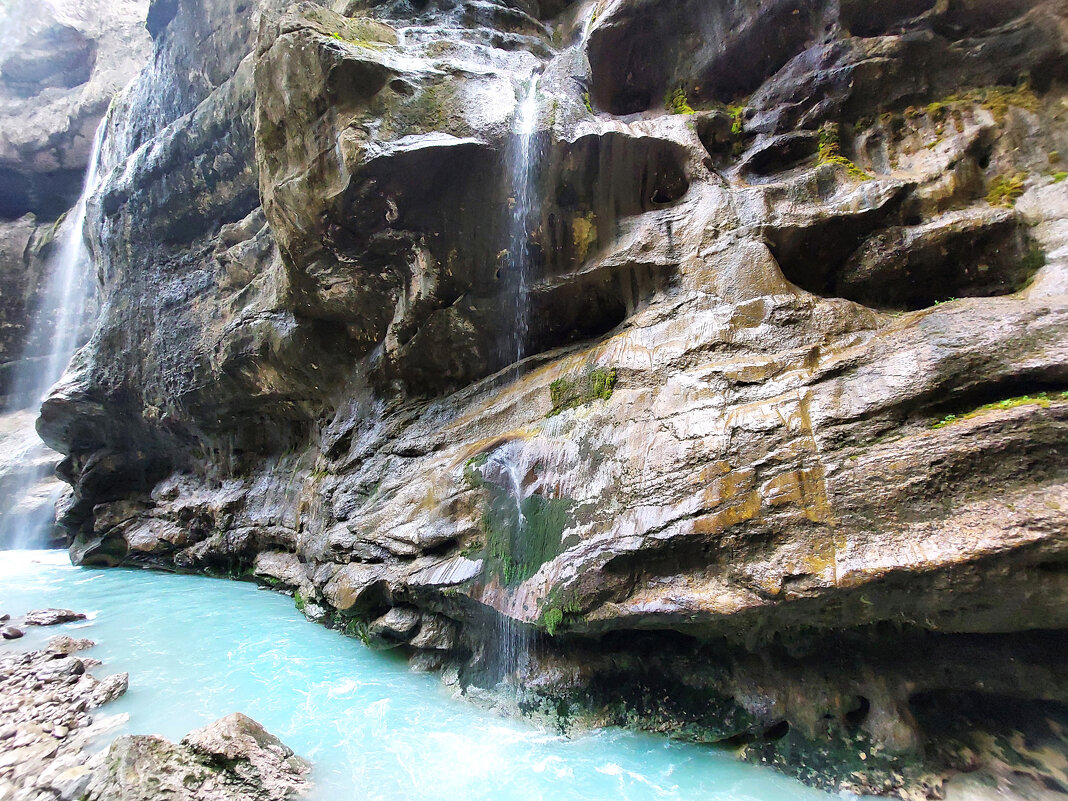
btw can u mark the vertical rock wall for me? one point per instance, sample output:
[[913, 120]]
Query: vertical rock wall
[[785, 466]]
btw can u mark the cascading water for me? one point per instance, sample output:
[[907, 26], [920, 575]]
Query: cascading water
[[511, 642], [598, 10], [25, 516], [62, 309], [524, 205]]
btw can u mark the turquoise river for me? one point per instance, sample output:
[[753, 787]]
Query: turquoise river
[[199, 648]]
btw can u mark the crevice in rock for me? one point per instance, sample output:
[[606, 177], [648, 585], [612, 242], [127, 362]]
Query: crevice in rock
[[1022, 735], [858, 713], [597, 181], [776, 731], [781, 153], [810, 256], [45, 194], [879, 17], [1015, 391], [969, 254], [443, 548], [720, 53], [974, 253]]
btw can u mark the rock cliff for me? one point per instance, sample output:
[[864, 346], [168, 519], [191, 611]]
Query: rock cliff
[[60, 64], [781, 460]]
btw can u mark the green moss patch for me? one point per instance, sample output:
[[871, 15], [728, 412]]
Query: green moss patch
[[570, 392], [558, 608], [830, 152], [676, 102], [1004, 190], [1043, 399], [520, 540], [553, 617], [472, 476], [998, 99]]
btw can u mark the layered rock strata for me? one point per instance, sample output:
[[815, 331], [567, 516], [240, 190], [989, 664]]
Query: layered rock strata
[[785, 465]]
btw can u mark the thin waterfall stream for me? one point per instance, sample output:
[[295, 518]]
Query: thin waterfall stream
[[25, 517], [512, 639], [524, 205]]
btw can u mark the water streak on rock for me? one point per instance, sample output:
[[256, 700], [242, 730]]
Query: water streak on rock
[[512, 639], [24, 519]]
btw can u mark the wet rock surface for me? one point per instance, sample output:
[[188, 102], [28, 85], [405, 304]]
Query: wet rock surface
[[51, 617], [795, 363], [60, 66]]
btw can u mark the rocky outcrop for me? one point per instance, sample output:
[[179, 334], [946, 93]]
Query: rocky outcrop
[[50, 729], [232, 759], [782, 463], [49, 716]]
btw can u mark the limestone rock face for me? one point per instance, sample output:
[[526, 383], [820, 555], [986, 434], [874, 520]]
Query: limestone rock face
[[776, 434], [61, 64]]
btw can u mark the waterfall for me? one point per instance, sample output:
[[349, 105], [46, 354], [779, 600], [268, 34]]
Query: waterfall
[[524, 207], [512, 639], [61, 311], [26, 509], [595, 13]]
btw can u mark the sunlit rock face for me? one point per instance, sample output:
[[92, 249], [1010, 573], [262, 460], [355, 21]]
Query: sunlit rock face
[[784, 461]]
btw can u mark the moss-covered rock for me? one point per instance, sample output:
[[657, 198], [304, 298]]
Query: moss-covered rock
[[573, 390]]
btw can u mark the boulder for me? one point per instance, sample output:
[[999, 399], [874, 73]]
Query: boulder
[[51, 617], [230, 760], [394, 628]]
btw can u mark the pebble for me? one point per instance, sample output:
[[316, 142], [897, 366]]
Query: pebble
[[10, 633]]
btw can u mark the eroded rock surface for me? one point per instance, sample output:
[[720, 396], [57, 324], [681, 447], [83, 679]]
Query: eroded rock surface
[[232, 759], [786, 446]]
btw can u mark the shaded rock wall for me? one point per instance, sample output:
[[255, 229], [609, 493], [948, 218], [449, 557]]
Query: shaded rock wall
[[787, 448]]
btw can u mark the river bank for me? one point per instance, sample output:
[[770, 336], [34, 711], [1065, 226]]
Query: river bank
[[199, 648], [54, 728]]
